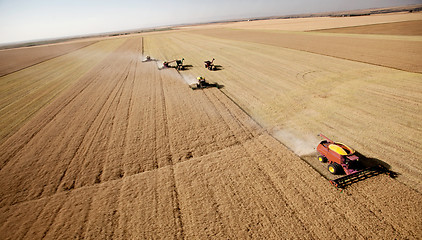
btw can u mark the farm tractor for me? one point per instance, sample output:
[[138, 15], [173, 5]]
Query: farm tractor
[[210, 65], [202, 83], [179, 64], [342, 158]]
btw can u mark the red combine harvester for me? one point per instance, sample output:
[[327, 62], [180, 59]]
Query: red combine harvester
[[342, 158], [210, 65]]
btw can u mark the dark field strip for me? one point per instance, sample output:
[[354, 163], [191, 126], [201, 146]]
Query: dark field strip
[[406, 28]]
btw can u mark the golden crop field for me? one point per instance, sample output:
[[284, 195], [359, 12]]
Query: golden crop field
[[98, 144]]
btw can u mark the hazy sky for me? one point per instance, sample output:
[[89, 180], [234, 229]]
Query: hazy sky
[[23, 20]]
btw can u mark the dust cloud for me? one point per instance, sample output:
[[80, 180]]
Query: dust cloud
[[301, 144], [186, 78], [189, 79]]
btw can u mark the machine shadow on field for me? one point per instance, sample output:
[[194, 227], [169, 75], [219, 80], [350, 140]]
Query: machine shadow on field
[[219, 86], [218, 68], [186, 67], [368, 162], [374, 165]]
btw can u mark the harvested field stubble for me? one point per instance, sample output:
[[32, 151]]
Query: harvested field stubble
[[131, 152]]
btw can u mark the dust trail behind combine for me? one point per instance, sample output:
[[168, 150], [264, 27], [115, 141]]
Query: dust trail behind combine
[[189, 79], [300, 144]]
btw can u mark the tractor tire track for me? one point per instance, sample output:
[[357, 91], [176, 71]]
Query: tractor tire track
[[110, 99], [178, 219]]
